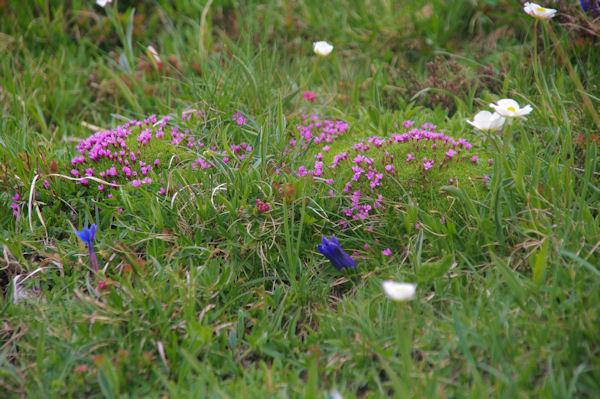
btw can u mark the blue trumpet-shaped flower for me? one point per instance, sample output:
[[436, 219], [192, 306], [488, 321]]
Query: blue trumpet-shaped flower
[[87, 236], [591, 6], [336, 255]]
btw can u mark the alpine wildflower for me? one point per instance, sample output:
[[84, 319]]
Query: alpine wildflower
[[539, 12], [399, 291], [509, 108], [309, 96], [331, 250], [322, 48], [87, 236]]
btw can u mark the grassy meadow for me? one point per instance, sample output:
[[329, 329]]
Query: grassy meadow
[[214, 162]]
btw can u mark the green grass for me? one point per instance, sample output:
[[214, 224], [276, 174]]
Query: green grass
[[209, 297]]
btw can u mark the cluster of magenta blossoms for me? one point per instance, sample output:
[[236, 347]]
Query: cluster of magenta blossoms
[[139, 152], [15, 204], [310, 132], [377, 170]]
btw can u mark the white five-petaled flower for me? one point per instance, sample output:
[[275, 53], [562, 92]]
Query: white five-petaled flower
[[103, 3], [539, 12], [322, 48], [399, 291], [486, 121], [509, 108]]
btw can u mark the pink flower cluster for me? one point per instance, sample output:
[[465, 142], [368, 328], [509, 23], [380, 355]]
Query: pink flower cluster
[[15, 205], [313, 130], [239, 119], [240, 151], [262, 207], [309, 96], [373, 151], [125, 156], [120, 154]]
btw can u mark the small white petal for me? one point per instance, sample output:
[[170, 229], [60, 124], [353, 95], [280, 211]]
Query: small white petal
[[507, 103], [485, 121], [399, 291], [496, 121]]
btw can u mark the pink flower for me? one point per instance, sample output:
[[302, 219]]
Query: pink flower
[[474, 159], [301, 171], [136, 183], [239, 119], [485, 179], [358, 160], [490, 161], [120, 210], [409, 157], [262, 207], [386, 252], [309, 96], [46, 184], [367, 246], [450, 153]]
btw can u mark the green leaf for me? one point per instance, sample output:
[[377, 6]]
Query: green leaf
[[539, 263], [428, 272]]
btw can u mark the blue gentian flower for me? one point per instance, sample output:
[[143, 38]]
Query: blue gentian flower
[[591, 6], [87, 236], [336, 255]]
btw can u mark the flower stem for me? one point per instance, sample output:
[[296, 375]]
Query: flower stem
[[563, 55], [314, 70], [93, 259], [405, 337], [536, 63]]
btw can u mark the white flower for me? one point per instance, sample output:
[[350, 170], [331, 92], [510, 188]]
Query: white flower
[[486, 121], [399, 291], [539, 12], [322, 48], [509, 108], [103, 3]]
